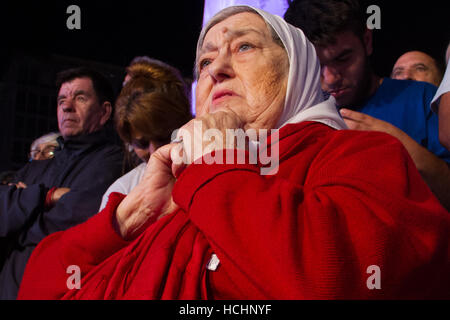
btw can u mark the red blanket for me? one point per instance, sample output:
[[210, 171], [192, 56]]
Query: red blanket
[[346, 216]]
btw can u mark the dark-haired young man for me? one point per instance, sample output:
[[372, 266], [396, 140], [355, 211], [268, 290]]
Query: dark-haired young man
[[401, 108], [56, 194]]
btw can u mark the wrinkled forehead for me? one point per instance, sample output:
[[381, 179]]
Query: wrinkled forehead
[[234, 23], [81, 83], [253, 24], [416, 57]]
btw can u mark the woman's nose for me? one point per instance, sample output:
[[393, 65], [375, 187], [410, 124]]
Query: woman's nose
[[221, 67], [39, 156]]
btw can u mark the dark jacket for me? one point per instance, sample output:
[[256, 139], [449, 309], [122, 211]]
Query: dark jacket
[[87, 165]]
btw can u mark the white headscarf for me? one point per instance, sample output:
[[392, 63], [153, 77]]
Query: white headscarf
[[304, 97]]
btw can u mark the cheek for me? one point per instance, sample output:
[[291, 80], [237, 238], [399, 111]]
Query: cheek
[[358, 70], [265, 88], [143, 154], [202, 92], [425, 75], [59, 113], [89, 114], [322, 83]]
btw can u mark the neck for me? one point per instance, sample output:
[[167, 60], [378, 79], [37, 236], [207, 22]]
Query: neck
[[375, 83]]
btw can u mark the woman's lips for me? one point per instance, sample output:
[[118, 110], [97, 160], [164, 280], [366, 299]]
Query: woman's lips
[[221, 95]]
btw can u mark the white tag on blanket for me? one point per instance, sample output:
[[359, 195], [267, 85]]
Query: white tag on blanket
[[213, 263]]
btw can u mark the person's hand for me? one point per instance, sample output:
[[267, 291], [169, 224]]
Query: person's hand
[[203, 135], [19, 185], [363, 122], [359, 121], [58, 193], [53, 196], [151, 199]]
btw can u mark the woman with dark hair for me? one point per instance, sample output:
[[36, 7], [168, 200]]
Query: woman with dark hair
[[151, 106]]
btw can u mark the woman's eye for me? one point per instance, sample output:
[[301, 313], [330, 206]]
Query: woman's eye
[[204, 63], [244, 47]]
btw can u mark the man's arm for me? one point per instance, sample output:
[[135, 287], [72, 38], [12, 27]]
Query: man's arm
[[80, 203], [85, 246], [18, 206], [21, 203], [444, 120], [441, 105], [433, 170]]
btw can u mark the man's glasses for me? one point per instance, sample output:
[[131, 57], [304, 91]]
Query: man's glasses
[[47, 153]]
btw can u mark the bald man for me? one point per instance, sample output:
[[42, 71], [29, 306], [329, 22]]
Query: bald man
[[418, 66]]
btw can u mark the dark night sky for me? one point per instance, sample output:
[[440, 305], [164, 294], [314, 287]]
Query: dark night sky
[[116, 31], [111, 31]]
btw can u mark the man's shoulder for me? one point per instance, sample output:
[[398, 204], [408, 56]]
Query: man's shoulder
[[325, 135], [108, 151], [407, 88], [399, 96]]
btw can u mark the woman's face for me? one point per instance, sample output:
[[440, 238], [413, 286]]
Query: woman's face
[[44, 151], [242, 69], [142, 146]]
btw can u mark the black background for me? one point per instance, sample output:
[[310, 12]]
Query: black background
[[111, 32], [115, 31]]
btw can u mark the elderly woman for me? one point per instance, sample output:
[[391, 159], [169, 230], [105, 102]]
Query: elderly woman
[[43, 147], [345, 216]]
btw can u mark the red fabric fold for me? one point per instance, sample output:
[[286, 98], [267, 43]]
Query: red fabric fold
[[342, 201]]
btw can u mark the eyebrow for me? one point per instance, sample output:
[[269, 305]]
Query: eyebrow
[[397, 69], [420, 65], [231, 34], [343, 53], [77, 93]]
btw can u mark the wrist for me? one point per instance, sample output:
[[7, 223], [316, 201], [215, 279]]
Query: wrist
[[48, 204]]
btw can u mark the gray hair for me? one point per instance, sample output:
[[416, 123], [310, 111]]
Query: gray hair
[[222, 15], [49, 137]]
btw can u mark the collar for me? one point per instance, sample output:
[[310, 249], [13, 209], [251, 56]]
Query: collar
[[101, 136]]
